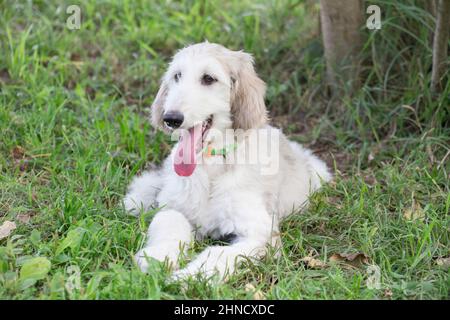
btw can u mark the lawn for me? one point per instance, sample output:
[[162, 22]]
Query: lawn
[[74, 130]]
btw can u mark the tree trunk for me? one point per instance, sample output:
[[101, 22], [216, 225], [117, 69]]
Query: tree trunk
[[440, 44], [341, 21]]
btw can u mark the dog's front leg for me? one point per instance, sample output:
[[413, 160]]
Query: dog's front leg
[[169, 234], [222, 260], [254, 228], [142, 192]]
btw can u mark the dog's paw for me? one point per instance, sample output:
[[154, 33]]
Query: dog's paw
[[211, 276], [143, 257], [132, 205], [210, 265], [184, 275]]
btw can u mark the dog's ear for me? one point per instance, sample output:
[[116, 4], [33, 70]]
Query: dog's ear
[[157, 109], [247, 94]]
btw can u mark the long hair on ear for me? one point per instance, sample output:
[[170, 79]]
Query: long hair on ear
[[247, 94], [157, 109]]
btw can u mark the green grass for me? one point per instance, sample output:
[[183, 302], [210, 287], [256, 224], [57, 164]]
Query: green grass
[[74, 131]]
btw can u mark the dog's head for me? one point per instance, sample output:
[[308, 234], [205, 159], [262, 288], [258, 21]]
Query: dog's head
[[207, 87], [210, 84]]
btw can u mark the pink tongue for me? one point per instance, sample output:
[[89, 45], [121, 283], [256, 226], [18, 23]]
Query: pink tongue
[[185, 155]]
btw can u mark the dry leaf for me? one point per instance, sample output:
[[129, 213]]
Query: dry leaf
[[388, 293], [4, 76], [355, 260], [313, 263], [249, 287], [415, 212], [78, 64], [18, 152], [6, 228], [443, 262], [257, 294], [20, 160], [373, 152], [23, 217]]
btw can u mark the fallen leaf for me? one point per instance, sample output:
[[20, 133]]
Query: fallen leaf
[[6, 228], [355, 260], [388, 293], [33, 270], [20, 160], [4, 76], [313, 263], [374, 151], [249, 287], [18, 152], [443, 262], [78, 64], [75, 56], [257, 294], [415, 212], [23, 217]]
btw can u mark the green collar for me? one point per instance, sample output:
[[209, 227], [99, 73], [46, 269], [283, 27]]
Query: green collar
[[209, 152]]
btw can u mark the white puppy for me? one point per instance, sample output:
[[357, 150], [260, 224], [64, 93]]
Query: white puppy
[[220, 179]]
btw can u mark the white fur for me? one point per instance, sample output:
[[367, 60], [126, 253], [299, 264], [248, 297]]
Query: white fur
[[218, 198]]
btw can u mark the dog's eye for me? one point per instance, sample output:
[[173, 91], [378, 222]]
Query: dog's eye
[[177, 76], [207, 80]]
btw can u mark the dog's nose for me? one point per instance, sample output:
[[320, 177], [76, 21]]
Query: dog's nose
[[173, 119]]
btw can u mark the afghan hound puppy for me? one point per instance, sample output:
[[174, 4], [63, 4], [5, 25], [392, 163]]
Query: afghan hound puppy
[[230, 175]]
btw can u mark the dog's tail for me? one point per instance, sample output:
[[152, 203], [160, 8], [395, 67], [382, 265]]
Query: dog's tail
[[318, 169]]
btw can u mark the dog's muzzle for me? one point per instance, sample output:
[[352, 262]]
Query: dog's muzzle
[[173, 119]]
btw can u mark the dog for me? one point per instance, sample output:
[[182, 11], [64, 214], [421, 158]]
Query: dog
[[207, 93]]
